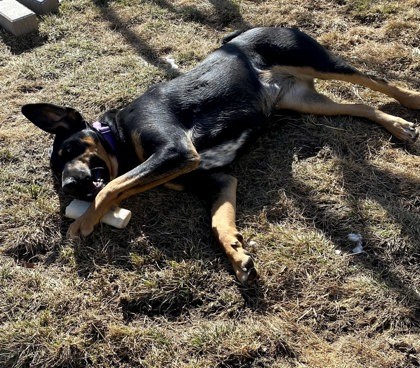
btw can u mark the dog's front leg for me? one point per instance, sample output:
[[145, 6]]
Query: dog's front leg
[[159, 168], [224, 228]]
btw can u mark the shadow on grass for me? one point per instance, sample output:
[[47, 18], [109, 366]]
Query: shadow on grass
[[226, 13], [140, 45], [169, 231], [361, 180], [25, 43]]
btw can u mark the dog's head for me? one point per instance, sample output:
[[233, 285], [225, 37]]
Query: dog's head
[[80, 156]]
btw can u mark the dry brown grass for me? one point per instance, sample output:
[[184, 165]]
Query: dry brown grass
[[159, 294]]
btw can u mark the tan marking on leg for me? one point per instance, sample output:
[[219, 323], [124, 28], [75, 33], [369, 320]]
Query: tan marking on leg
[[142, 188], [307, 100], [408, 98], [223, 224], [120, 188]]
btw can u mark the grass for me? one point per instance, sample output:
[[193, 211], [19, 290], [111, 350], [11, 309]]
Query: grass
[[161, 293]]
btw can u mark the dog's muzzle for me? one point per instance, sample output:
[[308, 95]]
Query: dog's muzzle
[[86, 186]]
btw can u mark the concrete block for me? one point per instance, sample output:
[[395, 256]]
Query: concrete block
[[16, 18], [40, 6]]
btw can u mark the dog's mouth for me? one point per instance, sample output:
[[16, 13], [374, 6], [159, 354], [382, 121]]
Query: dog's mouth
[[98, 181], [87, 188]]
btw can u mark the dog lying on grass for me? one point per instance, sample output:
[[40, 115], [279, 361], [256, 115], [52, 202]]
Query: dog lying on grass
[[183, 132]]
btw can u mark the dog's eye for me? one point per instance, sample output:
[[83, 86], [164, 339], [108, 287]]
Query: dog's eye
[[70, 151], [67, 151]]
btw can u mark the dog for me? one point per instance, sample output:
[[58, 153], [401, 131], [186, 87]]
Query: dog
[[182, 133]]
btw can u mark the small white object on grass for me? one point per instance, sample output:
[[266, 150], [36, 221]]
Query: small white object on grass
[[171, 62], [117, 217], [357, 249], [356, 238]]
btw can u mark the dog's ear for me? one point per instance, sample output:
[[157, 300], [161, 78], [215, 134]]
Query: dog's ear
[[54, 119]]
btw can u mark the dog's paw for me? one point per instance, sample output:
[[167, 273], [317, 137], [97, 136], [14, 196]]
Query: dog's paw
[[404, 130], [241, 260], [246, 272], [245, 269], [79, 228]]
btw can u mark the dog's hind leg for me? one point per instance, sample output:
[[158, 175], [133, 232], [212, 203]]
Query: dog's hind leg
[[292, 52], [302, 97], [405, 97], [223, 214]]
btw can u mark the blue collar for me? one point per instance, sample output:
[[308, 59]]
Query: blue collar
[[106, 132]]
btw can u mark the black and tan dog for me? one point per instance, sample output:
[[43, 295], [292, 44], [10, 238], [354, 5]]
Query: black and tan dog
[[182, 133]]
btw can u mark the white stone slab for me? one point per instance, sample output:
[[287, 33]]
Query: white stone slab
[[16, 18]]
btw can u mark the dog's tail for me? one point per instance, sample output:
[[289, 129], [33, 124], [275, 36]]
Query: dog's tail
[[232, 35]]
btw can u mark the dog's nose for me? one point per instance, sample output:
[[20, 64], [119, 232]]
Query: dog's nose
[[69, 185], [75, 185]]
